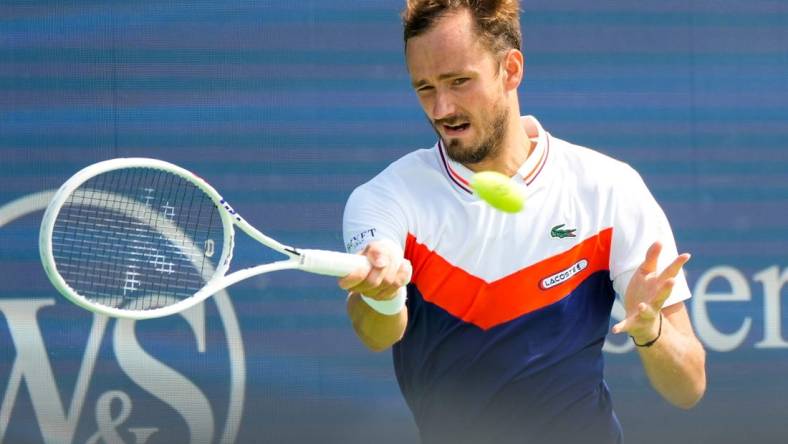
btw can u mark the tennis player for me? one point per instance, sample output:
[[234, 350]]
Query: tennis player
[[500, 340]]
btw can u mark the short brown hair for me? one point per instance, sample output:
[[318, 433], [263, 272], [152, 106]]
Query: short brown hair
[[497, 21]]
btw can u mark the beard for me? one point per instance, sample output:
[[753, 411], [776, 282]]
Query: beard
[[488, 147]]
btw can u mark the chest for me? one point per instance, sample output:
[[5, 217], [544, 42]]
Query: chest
[[558, 216]]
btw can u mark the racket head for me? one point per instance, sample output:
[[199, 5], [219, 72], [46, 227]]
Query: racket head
[[112, 239]]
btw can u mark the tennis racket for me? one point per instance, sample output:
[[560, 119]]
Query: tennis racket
[[143, 238]]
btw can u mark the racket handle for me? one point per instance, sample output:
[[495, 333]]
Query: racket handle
[[331, 263]]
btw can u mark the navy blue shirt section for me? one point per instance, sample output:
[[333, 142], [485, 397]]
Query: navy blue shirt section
[[535, 379]]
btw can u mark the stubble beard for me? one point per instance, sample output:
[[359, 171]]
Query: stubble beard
[[488, 148]]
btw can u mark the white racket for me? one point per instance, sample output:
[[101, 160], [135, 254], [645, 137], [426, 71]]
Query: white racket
[[143, 238]]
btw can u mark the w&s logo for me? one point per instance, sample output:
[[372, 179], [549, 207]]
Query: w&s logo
[[69, 376]]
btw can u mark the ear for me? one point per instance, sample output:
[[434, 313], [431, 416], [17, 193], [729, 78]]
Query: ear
[[513, 65]]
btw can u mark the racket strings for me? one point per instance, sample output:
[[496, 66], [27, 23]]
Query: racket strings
[[137, 239]]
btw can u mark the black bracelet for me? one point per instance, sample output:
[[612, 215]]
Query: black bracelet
[[651, 342]]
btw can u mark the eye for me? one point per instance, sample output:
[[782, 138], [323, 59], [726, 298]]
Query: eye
[[424, 89], [459, 81]]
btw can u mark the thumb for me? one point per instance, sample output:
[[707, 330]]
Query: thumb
[[620, 327]]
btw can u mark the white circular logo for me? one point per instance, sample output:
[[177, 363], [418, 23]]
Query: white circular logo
[[59, 421]]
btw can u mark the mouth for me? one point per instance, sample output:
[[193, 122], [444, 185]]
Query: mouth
[[456, 130]]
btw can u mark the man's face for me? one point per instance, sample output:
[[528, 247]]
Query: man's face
[[460, 87]]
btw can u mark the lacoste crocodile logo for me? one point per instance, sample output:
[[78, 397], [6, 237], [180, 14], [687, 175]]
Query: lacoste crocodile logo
[[559, 232]]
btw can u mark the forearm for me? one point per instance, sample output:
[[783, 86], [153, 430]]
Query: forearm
[[675, 365], [377, 331]]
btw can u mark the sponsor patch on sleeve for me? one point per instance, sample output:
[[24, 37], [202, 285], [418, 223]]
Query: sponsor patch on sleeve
[[360, 239]]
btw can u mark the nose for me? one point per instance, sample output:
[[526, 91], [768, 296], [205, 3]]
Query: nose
[[443, 106]]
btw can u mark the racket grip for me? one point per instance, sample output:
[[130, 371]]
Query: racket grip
[[331, 263]]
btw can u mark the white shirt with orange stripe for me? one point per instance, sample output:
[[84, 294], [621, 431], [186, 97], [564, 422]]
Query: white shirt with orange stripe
[[478, 272]]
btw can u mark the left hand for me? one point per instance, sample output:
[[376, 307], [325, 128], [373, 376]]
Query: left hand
[[646, 293]]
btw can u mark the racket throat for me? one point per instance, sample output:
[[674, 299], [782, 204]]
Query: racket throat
[[293, 252]]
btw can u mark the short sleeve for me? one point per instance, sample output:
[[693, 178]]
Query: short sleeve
[[638, 222], [373, 214]]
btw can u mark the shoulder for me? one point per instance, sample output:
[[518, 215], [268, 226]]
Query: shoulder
[[590, 161], [383, 207], [590, 166]]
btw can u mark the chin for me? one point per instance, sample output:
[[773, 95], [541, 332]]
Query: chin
[[460, 154]]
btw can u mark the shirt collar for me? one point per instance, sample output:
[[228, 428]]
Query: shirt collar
[[460, 175]]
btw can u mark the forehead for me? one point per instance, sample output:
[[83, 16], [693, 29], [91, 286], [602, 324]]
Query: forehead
[[450, 45]]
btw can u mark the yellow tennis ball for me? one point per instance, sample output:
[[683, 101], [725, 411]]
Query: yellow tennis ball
[[498, 190]]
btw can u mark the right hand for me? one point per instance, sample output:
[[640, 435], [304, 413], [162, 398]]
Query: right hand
[[388, 272]]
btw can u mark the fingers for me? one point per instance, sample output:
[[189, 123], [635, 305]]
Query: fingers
[[393, 281], [666, 281], [387, 273], [663, 293], [648, 291], [649, 265], [382, 284], [379, 259], [378, 255], [356, 277], [378, 280], [646, 311], [673, 269], [621, 327]]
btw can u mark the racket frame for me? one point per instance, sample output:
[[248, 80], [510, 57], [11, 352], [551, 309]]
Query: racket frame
[[314, 261]]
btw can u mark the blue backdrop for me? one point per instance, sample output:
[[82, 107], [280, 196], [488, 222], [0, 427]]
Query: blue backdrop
[[285, 107]]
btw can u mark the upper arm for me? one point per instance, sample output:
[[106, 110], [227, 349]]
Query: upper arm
[[373, 213]]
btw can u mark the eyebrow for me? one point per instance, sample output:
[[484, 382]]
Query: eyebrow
[[445, 76]]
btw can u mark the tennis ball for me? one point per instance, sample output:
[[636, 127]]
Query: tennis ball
[[498, 190]]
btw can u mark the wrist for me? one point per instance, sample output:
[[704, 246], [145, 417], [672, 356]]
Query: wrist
[[648, 338], [388, 307]]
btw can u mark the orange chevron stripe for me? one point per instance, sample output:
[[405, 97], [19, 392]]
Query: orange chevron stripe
[[489, 304]]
